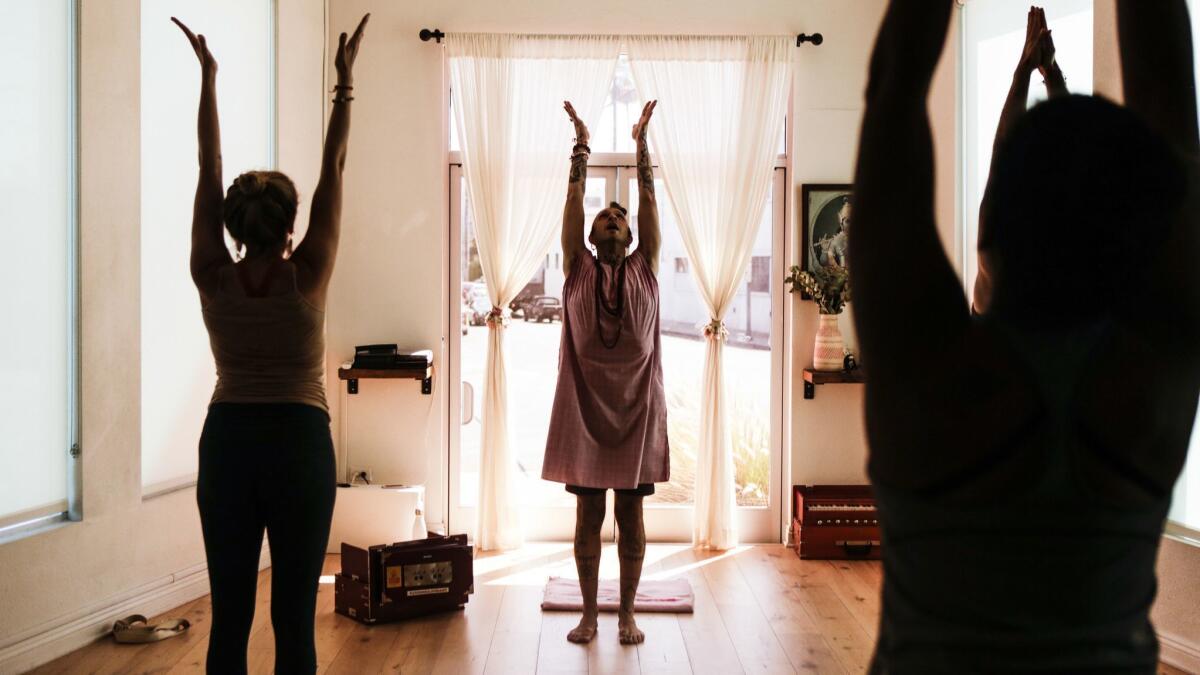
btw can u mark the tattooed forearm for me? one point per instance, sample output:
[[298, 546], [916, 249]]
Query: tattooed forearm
[[645, 170], [579, 168]]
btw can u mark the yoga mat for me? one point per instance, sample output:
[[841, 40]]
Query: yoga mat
[[664, 595]]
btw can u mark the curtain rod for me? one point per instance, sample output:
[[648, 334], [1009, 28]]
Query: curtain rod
[[816, 38]]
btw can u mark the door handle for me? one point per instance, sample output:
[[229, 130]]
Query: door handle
[[467, 411]]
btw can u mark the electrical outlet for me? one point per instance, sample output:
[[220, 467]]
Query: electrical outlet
[[361, 474]]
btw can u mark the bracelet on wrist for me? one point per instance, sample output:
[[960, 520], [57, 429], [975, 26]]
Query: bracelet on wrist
[[581, 146], [343, 99]]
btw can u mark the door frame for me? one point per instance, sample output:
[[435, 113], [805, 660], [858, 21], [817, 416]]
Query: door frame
[[538, 523]]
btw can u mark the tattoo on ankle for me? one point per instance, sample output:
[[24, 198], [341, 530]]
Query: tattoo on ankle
[[588, 567]]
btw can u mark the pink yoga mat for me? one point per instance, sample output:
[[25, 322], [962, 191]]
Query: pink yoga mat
[[665, 595]]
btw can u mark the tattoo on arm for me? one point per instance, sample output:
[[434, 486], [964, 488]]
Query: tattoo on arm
[[645, 170], [579, 169]]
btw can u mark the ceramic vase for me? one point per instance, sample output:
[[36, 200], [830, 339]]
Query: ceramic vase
[[828, 351]]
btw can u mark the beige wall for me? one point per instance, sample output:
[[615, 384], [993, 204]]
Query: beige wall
[[126, 546], [391, 266], [1176, 612]]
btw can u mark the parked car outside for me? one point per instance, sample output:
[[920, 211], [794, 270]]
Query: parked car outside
[[543, 308], [523, 298]]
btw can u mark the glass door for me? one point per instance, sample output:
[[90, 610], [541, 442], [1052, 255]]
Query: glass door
[[531, 344], [753, 373]]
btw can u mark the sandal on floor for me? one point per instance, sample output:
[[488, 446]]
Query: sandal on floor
[[135, 629]]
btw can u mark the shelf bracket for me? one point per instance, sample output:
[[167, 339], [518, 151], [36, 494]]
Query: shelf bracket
[[427, 386], [352, 386], [810, 390]]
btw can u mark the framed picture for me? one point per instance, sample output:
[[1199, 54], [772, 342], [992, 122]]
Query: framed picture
[[826, 220]]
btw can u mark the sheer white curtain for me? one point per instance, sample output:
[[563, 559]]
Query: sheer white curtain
[[516, 140], [721, 102]]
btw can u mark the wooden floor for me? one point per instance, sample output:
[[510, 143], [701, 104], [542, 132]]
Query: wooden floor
[[759, 609]]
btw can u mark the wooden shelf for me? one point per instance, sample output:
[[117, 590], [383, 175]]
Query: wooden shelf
[[353, 375], [814, 377]]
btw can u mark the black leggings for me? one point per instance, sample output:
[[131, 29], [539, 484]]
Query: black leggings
[[265, 465]]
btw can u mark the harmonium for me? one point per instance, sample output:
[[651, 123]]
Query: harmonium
[[835, 522], [389, 582]]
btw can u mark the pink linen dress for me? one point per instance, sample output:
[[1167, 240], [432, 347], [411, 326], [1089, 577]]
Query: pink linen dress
[[608, 426]]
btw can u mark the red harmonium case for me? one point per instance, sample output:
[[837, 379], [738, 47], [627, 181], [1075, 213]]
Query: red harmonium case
[[390, 582], [835, 522]]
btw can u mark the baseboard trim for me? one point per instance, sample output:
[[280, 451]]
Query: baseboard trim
[[61, 636], [1179, 652]]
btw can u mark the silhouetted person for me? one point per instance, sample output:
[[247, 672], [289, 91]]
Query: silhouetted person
[[1023, 460], [608, 425], [1037, 54], [266, 455]]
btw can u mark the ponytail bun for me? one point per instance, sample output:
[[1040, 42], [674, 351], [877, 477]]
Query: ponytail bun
[[260, 209], [250, 183]]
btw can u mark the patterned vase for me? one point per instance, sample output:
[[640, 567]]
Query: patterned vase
[[828, 351]]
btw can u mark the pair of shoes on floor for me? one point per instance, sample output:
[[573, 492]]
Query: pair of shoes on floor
[[136, 629]]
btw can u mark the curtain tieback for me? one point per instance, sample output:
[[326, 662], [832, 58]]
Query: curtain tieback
[[497, 318], [715, 330]]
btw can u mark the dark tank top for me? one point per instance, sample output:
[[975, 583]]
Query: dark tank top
[[1052, 577]]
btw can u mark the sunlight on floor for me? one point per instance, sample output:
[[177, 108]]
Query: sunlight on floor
[[533, 564]]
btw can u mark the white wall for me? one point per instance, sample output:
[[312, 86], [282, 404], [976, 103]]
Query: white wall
[[63, 583], [391, 265], [828, 436]]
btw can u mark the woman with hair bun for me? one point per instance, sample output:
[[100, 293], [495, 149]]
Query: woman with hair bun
[[266, 455]]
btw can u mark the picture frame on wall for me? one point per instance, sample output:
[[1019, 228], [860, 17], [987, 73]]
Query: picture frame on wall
[[826, 219]]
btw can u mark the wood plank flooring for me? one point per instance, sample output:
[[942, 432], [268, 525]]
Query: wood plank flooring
[[759, 609]]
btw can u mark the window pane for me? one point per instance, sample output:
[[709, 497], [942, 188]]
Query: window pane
[[177, 368], [35, 120], [747, 353], [613, 133], [994, 34], [532, 344], [1185, 509]]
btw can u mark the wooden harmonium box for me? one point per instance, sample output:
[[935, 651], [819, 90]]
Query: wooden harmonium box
[[835, 522], [390, 582]]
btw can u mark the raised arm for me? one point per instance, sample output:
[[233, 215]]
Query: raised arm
[[208, 242], [649, 233], [1052, 75], [1037, 54], [1157, 68], [896, 259], [1158, 72], [572, 230], [314, 257]]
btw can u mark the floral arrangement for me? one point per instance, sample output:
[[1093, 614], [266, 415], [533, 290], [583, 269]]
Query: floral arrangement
[[715, 330], [828, 286], [497, 318]]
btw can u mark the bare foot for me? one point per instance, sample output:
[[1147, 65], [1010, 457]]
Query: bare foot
[[627, 628], [584, 632]]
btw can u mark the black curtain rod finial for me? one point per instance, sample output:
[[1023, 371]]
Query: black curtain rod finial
[[815, 38], [435, 34]]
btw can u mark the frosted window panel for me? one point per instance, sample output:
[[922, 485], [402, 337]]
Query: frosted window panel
[[177, 366], [993, 37], [36, 229], [1185, 509]]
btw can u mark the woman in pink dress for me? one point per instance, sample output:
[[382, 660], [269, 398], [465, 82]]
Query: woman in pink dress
[[608, 427]]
